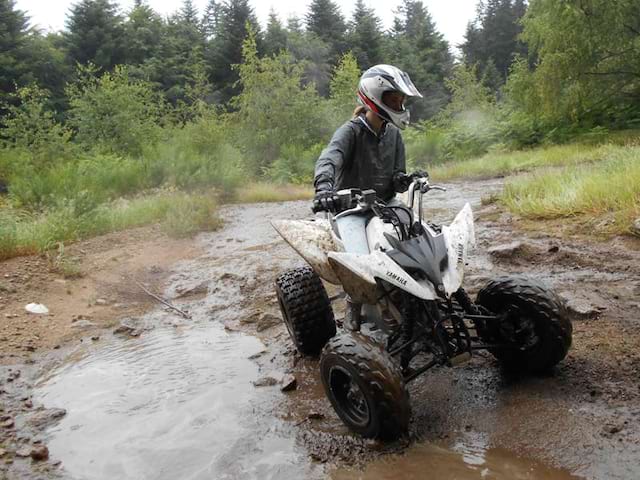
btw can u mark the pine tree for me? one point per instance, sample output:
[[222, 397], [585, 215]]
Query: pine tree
[[420, 49], [275, 38], [144, 33], [95, 33], [326, 22], [210, 19], [225, 50], [365, 36], [13, 38], [294, 25], [492, 40]]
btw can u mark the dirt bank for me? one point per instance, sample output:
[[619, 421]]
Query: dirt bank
[[581, 421]]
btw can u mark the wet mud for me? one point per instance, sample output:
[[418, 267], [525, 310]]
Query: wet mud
[[202, 397]]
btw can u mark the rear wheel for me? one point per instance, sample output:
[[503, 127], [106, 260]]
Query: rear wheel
[[365, 386], [306, 309], [531, 318]]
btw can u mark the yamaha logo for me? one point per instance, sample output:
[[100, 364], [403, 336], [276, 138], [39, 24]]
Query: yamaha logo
[[460, 253], [397, 278]]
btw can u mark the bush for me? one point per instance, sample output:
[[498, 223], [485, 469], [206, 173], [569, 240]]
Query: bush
[[114, 113]]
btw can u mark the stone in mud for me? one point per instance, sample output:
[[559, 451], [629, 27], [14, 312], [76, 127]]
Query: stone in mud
[[288, 383], [315, 416], [268, 320], [82, 324], [126, 329], [39, 453], [102, 302], [192, 291], [9, 423], [635, 227], [3, 452], [231, 276], [581, 308], [252, 318], [23, 452], [265, 382], [45, 417], [229, 326], [507, 250]]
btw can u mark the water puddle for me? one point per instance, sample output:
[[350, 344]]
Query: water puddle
[[467, 459], [172, 404]]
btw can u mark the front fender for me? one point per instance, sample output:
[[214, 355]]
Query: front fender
[[460, 238], [312, 239]]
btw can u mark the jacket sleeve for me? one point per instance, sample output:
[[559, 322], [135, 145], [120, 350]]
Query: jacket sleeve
[[333, 158], [401, 161]]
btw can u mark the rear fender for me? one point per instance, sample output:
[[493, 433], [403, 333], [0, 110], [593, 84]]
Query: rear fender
[[312, 239]]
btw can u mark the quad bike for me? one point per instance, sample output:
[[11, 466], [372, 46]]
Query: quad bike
[[407, 311]]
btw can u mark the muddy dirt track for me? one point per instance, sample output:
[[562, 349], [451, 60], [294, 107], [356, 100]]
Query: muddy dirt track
[[171, 397]]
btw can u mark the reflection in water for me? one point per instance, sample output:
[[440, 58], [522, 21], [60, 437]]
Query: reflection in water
[[468, 459], [169, 405]]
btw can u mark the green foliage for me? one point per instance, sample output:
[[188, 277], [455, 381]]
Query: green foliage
[[364, 36], [417, 47], [325, 21], [344, 85], [114, 113], [95, 34], [603, 196], [32, 128], [588, 68], [275, 38], [189, 215], [274, 108], [492, 40]]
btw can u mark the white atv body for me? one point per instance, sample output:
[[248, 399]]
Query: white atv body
[[404, 280]]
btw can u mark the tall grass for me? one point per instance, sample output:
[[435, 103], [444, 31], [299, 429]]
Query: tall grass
[[502, 164], [605, 195], [181, 214]]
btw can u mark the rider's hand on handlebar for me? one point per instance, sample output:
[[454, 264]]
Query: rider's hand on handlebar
[[326, 199], [401, 182], [419, 174]]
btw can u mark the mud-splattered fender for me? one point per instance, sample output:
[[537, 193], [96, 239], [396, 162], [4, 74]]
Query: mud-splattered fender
[[312, 239], [460, 238]]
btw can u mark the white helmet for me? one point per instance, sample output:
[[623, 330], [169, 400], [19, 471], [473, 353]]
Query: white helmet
[[386, 78]]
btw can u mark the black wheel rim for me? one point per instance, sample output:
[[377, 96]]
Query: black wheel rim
[[349, 397]]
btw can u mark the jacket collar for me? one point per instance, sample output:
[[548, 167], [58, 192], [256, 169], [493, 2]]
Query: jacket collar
[[383, 129]]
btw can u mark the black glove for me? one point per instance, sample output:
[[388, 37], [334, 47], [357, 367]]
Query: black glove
[[326, 199], [419, 174], [401, 182]]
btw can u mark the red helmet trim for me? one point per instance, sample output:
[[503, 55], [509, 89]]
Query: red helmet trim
[[369, 102]]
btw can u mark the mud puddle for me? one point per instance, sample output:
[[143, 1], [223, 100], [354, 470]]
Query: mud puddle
[[178, 402], [469, 458]]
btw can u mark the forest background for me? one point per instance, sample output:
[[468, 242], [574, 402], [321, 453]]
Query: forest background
[[127, 118]]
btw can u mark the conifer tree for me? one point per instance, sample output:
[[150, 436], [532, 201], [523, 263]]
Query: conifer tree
[[95, 34], [325, 21], [365, 36], [420, 49], [275, 38], [210, 19], [13, 39], [225, 50]]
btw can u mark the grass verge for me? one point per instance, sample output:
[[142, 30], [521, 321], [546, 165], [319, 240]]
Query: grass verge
[[502, 164], [181, 214], [603, 196]]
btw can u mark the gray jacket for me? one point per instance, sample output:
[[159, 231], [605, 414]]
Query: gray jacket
[[358, 158]]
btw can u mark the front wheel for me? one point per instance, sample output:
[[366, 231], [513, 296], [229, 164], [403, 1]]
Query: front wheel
[[306, 309], [365, 387], [531, 319]]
